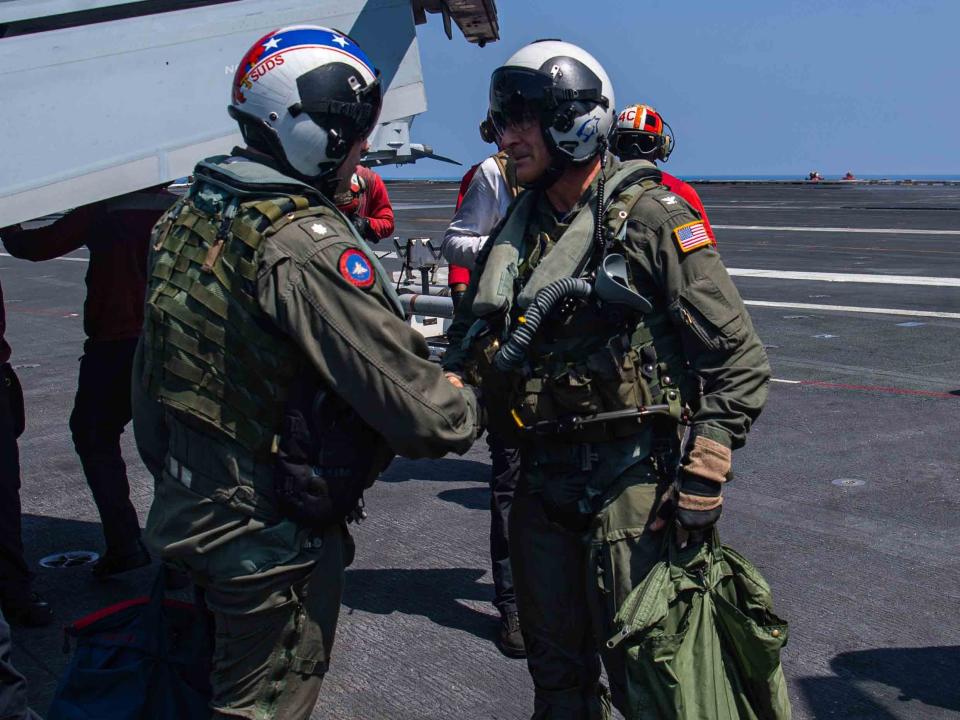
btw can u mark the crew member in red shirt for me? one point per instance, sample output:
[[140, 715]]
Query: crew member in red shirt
[[486, 191], [642, 134], [117, 235], [458, 277], [363, 199]]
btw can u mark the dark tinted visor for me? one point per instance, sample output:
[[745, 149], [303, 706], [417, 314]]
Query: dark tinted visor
[[638, 141], [519, 96], [328, 91]]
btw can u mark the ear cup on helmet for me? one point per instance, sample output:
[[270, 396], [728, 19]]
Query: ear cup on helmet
[[564, 118], [487, 132]]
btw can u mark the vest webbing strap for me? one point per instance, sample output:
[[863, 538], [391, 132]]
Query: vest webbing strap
[[214, 412], [214, 333], [212, 386], [508, 172], [192, 345]]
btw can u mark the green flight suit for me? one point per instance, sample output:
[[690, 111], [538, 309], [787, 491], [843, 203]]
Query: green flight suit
[[273, 586], [570, 581]]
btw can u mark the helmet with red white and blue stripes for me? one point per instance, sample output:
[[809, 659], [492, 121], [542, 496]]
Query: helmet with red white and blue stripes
[[305, 94]]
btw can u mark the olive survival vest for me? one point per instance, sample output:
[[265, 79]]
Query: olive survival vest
[[211, 353], [590, 360]]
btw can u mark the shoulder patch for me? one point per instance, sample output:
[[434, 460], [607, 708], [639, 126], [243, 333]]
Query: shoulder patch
[[669, 200], [356, 268], [691, 235]]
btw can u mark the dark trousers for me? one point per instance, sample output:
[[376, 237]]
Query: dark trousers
[[14, 575], [13, 688], [503, 483], [570, 585], [100, 412]]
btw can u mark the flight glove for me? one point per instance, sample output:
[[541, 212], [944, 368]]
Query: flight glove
[[363, 227], [696, 498]]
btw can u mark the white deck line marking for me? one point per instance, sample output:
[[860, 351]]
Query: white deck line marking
[[71, 259], [788, 382], [774, 207], [847, 277], [876, 231], [422, 206], [850, 308]]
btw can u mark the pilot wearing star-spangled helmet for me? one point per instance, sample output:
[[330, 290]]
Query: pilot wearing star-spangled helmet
[[276, 377]]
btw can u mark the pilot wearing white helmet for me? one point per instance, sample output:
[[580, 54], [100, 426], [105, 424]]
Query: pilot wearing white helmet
[[598, 321]]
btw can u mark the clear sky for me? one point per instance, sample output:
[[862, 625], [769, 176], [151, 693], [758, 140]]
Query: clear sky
[[749, 86]]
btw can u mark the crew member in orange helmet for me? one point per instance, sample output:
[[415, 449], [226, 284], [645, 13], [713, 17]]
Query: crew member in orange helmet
[[642, 134]]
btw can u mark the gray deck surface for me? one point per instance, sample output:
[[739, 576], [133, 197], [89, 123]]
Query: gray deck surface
[[868, 576]]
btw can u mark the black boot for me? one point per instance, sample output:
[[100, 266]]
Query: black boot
[[510, 641]]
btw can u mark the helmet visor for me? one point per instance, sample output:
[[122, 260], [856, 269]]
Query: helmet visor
[[636, 143], [336, 90], [519, 97]]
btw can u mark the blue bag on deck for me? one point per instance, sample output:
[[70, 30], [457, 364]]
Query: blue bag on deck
[[143, 659]]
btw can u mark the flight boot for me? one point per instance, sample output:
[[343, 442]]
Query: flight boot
[[510, 641]]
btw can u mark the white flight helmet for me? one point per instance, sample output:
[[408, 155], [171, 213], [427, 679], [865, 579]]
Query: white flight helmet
[[304, 94], [565, 88]]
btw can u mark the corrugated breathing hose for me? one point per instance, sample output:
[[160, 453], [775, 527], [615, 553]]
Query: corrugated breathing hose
[[514, 351]]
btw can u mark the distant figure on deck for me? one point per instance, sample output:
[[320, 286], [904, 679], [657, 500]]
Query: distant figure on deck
[[117, 234], [19, 603], [641, 134], [486, 191], [362, 197], [849, 176], [814, 176]]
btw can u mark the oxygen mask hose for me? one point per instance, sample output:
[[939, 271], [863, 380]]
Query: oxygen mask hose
[[514, 351]]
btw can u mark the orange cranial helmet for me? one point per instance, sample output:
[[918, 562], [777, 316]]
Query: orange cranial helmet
[[641, 134]]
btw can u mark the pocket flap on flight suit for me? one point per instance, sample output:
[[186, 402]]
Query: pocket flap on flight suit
[[714, 315]]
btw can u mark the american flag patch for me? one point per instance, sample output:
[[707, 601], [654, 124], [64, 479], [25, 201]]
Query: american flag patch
[[691, 236]]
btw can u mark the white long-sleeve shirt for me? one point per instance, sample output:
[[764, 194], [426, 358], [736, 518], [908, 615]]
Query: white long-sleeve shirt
[[484, 204]]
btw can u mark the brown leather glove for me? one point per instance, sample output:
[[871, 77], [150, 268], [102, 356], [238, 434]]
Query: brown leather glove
[[696, 499]]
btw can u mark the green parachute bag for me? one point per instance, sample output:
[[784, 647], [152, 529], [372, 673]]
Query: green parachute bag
[[701, 639]]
